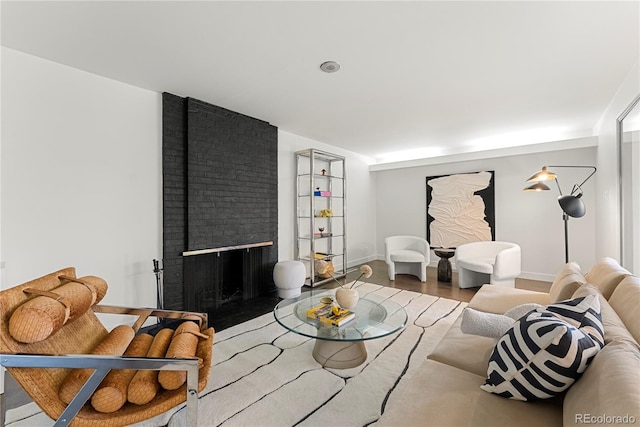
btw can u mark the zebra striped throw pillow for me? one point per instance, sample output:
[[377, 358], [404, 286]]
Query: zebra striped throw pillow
[[546, 350]]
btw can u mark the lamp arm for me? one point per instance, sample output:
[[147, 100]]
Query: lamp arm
[[576, 186], [558, 184]]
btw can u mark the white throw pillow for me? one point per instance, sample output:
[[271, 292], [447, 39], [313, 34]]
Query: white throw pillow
[[492, 325], [520, 310]]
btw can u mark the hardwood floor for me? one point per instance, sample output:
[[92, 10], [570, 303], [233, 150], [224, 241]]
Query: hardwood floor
[[433, 286], [240, 311]]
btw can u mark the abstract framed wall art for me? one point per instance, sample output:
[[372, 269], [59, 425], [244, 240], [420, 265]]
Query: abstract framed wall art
[[460, 209]]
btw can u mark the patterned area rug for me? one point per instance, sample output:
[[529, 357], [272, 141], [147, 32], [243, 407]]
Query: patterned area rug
[[263, 375]]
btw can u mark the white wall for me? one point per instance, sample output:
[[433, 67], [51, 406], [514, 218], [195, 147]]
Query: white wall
[[82, 184], [81, 177], [608, 201], [533, 220], [361, 204]]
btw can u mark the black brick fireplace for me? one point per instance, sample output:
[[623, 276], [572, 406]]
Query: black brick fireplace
[[220, 205]]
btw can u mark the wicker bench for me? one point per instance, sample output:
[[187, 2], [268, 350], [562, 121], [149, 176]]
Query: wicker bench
[[41, 367]]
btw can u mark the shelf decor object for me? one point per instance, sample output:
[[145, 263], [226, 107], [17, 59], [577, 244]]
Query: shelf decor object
[[571, 204], [320, 223]]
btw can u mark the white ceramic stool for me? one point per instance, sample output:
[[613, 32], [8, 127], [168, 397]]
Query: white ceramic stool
[[289, 277]]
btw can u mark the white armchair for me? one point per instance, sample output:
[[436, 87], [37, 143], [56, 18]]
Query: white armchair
[[407, 255], [478, 263]]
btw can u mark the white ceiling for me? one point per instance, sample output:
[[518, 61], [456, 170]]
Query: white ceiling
[[422, 77]]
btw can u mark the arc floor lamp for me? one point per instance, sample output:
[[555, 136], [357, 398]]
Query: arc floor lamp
[[571, 204]]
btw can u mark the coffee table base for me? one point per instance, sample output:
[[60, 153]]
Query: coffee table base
[[339, 354]]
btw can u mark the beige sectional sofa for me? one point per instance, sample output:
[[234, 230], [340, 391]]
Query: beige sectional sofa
[[446, 389]]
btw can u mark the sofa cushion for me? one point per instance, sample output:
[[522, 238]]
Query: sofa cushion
[[444, 396], [546, 350], [625, 300], [614, 328], [566, 282], [606, 275], [468, 352], [498, 299], [608, 388]]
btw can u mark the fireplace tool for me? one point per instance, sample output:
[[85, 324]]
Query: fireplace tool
[[157, 270]]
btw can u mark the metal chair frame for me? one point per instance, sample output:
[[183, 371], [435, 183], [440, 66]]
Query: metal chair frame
[[104, 364]]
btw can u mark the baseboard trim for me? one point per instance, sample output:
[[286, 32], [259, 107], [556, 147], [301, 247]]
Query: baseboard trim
[[363, 260], [529, 275], [537, 276]]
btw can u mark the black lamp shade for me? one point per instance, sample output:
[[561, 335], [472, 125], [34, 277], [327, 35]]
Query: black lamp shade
[[572, 205]]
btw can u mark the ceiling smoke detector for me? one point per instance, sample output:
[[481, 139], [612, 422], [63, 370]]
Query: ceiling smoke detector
[[330, 66]]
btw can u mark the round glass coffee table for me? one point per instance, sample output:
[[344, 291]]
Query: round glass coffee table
[[341, 346]]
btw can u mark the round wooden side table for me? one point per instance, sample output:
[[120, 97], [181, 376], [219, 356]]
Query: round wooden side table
[[444, 265]]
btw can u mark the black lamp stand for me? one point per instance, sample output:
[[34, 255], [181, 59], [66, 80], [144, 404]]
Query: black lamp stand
[[571, 204], [565, 218]]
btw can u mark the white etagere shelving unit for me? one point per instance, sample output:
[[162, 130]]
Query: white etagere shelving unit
[[321, 212]]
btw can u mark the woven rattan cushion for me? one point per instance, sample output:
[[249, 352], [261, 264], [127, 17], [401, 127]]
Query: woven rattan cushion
[[41, 316], [113, 344], [144, 386], [111, 395], [80, 337], [184, 344]]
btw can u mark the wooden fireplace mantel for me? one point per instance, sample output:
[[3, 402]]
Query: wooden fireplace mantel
[[226, 248]]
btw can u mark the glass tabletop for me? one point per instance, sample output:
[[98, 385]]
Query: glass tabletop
[[375, 317]]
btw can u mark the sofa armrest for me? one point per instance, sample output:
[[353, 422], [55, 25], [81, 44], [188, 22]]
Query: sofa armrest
[[498, 300]]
